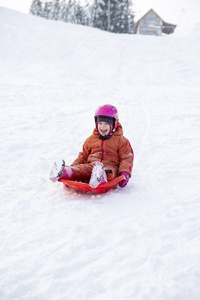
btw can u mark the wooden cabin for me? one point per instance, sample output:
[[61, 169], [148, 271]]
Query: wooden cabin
[[152, 24]]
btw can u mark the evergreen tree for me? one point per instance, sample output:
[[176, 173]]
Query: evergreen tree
[[63, 11], [131, 23], [54, 10], [80, 14], [47, 9], [71, 11], [36, 8], [121, 17], [99, 14], [112, 15]]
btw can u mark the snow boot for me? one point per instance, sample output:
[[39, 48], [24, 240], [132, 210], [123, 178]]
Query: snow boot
[[60, 171], [57, 170], [98, 175]]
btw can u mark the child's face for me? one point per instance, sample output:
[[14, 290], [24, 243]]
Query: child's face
[[103, 128]]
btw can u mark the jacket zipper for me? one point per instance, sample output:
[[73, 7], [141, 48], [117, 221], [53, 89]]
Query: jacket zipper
[[102, 150]]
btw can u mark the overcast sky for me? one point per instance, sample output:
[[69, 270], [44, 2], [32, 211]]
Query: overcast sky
[[170, 10], [19, 5], [24, 5]]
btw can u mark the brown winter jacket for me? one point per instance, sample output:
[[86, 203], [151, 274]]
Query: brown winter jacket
[[115, 152]]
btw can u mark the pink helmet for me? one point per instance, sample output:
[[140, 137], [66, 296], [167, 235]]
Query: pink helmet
[[108, 111]]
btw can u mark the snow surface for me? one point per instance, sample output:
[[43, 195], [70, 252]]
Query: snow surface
[[137, 243]]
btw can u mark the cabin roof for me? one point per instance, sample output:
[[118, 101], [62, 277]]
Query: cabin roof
[[169, 15], [167, 27]]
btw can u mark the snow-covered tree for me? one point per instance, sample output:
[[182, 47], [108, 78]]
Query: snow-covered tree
[[63, 11], [80, 14], [113, 15], [120, 20], [36, 8], [71, 11], [47, 9], [121, 16], [99, 14], [54, 10]]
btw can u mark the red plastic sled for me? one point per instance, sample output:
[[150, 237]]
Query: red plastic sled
[[102, 188]]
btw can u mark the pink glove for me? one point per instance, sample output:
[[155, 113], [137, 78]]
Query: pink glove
[[124, 182]]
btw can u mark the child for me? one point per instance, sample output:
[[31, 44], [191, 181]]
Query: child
[[106, 153]]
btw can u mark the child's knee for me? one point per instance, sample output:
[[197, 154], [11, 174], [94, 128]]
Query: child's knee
[[110, 172]]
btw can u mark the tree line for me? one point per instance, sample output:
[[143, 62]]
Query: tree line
[[110, 15]]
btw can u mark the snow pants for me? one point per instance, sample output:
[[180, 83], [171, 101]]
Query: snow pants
[[83, 172]]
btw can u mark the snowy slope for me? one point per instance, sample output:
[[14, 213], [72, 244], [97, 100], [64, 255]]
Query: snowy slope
[[141, 242]]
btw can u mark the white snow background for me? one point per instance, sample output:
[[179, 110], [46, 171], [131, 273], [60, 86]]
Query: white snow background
[[137, 243]]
